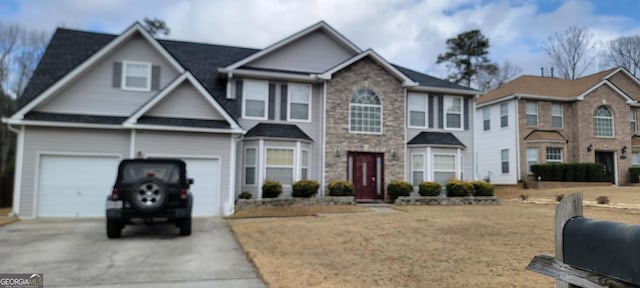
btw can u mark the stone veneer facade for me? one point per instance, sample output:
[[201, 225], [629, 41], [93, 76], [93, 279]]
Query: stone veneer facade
[[364, 73], [579, 127]]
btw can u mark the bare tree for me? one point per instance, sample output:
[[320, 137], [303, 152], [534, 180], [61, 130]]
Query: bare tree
[[8, 40], [572, 52], [32, 44], [624, 52], [488, 79], [156, 26]]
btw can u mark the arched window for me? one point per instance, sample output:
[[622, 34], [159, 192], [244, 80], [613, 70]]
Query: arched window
[[366, 112], [603, 122]]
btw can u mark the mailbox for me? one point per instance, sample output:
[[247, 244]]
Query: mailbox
[[607, 248]]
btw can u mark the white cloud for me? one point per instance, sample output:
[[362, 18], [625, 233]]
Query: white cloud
[[407, 32]]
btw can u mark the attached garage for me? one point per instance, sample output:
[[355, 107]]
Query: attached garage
[[74, 186], [206, 187]]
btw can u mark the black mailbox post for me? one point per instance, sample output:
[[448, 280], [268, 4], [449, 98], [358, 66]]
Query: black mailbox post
[[603, 247]]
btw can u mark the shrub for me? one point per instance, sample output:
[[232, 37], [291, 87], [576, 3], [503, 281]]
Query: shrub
[[580, 172], [481, 188], [340, 188], [457, 188], [569, 172], [271, 189], [557, 171], [398, 188], [305, 188], [602, 200], [595, 172], [541, 170], [429, 189], [245, 195], [634, 174], [559, 197]]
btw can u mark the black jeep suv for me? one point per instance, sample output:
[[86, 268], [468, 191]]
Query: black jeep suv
[[148, 191]]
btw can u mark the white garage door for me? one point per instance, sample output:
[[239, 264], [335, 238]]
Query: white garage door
[[75, 186], [206, 187]]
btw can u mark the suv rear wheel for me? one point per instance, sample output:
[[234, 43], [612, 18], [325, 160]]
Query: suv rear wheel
[[149, 195], [114, 228], [185, 226]]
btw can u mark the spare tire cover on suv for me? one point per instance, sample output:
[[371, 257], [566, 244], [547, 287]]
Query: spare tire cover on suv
[[149, 194]]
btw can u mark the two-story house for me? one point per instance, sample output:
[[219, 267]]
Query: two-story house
[[548, 120], [311, 106]]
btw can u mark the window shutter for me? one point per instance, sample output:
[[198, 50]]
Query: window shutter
[[431, 111], [155, 77], [239, 97], [117, 74], [272, 101], [440, 112], [466, 113], [283, 102]]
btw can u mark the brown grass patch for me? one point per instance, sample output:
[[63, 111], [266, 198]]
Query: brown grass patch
[[4, 220], [427, 246], [295, 211], [5, 211]]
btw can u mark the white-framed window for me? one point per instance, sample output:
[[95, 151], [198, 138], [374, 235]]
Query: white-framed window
[[279, 165], [365, 112], [504, 115], [417, 168], [444, 168], [304, 164], [504, 160], [603, 122], [250, 164], [255, 95], [136, 76], [532, 158], [453, 113], [299, 99], [418, 107], [635, 159], [633, 121], [557, 118], [554, 155], [486, 119], [532, 113]]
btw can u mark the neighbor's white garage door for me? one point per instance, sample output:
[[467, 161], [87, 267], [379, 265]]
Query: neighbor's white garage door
[[75, 186], [206, 187]]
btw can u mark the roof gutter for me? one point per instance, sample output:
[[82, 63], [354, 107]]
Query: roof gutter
[[270, 75], [527, 97], [444, 90]]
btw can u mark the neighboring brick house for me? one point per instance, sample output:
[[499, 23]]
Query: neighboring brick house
[[312, 106], [544, 120]]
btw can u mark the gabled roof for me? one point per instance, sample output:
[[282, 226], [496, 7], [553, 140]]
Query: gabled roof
[[546, 87], [272, 130], [36, 98], [436, 139], [318, 26], [545, 136], [185, 77], [435, 84], [406, 81]]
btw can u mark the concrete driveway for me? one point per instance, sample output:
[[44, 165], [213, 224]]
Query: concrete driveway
[[77, 253]]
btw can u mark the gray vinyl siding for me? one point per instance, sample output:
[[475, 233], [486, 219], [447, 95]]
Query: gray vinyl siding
[[93, 92], [89, 142], [185, 102], [190, 145], [315, 53]]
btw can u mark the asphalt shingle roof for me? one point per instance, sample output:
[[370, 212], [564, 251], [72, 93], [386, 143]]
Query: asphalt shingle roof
[[436, 138], [288, 131], [75, 118], [69, 48], [182, 122]]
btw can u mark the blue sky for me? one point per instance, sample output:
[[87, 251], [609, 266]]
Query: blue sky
[[407, 32]]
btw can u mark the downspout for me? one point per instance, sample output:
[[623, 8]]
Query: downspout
[[324, 139], [517, 127], [17, 178]]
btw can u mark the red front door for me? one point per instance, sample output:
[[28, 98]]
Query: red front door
[[366, 173]]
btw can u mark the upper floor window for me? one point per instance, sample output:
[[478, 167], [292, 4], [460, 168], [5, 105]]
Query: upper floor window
[[603, 122], [504, 115], [557, 118], [136, 76], [554, 155], [486, 119], [417, 110], [532, 113], [254, 99], [453, 112], [632, 120], [299, 102], [365, 112]]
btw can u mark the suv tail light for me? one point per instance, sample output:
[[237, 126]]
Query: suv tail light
[[115, 194], [184, 193]]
